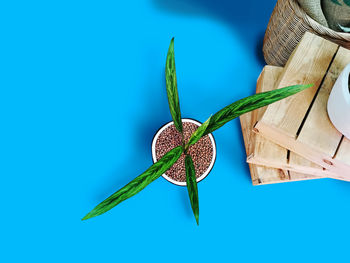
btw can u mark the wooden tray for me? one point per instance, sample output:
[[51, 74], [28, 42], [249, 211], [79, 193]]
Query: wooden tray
[[300, 123]]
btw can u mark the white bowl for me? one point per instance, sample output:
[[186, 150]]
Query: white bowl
[[205, 174], [339, 103]]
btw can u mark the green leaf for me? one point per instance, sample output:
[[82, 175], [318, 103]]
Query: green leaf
[[197, 134], [347, 2], [138, 184], [250, 103], [171, 87], [192, 186]]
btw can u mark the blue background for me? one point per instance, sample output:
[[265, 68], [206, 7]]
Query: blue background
[[82, 93]]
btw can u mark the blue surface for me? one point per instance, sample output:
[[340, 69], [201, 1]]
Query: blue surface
[[82, 93]]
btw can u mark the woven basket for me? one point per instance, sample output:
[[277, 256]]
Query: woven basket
[[288, 24]]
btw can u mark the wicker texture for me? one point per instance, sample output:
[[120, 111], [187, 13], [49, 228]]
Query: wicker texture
[[288, 24]]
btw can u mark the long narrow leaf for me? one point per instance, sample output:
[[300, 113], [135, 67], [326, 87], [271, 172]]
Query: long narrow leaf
[[138, 184], [198, 134], [171, 87], [250, 103], [192, 186]]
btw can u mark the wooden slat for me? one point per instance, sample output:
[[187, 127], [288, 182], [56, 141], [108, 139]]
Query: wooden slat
[[343, 154], [259, 174], [327, 137], [294, 176], [307, 65], [267, 153], [262, 174], [266, 82], [269, 175], [246, 123], [265, 149], [301, 163]]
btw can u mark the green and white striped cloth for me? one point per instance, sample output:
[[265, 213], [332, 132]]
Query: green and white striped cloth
[[334, 14], [314, 9], [337, 13]]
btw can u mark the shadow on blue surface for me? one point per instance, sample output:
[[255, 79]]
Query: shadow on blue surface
[[146, 128], [242, 15]]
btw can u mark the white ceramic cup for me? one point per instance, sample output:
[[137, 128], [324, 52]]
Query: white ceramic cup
[[154, 157], [339, 103]]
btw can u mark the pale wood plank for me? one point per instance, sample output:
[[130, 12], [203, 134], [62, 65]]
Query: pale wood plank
[[327, 137], [307, 65], [343, 153], [266, 82], [269, 175], [262, 174], [296, 160], [246, 126], [294, 176], [265, 149], [259, 175], [266, 152]]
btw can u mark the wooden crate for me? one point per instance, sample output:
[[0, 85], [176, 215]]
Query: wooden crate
[[300, 123], [264, 155]]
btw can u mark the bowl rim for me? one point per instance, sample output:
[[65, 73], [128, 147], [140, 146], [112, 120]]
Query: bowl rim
[[211, 137]]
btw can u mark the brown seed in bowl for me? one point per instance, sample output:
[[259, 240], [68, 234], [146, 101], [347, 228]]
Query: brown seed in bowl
[[202, 152]]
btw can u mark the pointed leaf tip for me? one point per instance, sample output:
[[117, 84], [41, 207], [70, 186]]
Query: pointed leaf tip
[[171, 87], [195, 137], [171, 46], [138, 184], [192, 186]]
